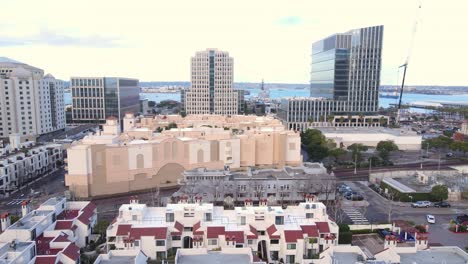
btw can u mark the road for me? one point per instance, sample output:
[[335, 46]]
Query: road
[[49, 186], [379, 209]]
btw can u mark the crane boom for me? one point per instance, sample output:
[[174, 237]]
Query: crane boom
[[405, 65]]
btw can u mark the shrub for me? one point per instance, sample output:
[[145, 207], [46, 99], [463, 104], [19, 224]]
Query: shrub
[[345, 238], [421, 228], [343, 228], [364, 231]]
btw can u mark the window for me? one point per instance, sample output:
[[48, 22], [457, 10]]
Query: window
[[169, 217], [160, 243], [175, 238], [291, 246], [188, 228], [242, 220], [136, 243], [309, 215], [208, 217], [160, 255], [279, 220], [212, 242], [290, 259], [140, 161], [250, 241], [261, 232], [274, 241]]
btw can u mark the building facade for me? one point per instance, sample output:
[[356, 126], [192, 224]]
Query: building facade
[[53, 233], [137, 159], [20, 165], [31, 104], [293, 234], [211, 90], [95, 99], [345, 78], [288, 185]]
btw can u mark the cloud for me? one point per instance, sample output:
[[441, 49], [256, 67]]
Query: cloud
[[290, 21], [55, 39]]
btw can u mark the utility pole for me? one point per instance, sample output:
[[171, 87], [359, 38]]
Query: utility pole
[[355, 164]]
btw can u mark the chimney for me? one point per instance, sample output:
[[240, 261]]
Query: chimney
[[134, 199], [25, 207], [183, 199], [310, 198], [248, 202], [198, 199], [420, 242], [263, 202], [5, 221], [390, 241]]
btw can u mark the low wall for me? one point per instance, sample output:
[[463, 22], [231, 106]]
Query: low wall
[[371, 227], [376, 177]]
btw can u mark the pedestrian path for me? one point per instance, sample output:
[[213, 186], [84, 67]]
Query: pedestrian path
[[16, 201], [355, 215]]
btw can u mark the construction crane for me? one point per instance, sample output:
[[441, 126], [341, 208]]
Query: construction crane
[[405, 65]]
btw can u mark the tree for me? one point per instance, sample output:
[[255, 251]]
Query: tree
[[459, 146], [171, 125], [151, 103], [356, 151], [315, 144], [183, 114], [385, 148], [101, 227], [439, 192], [14, 219], [336, 153]]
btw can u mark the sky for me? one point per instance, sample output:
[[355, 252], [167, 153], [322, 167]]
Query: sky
[[154, 40]]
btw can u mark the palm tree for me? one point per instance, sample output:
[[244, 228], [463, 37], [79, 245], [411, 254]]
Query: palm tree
[[342, 120], [382, 121], [330, 118]]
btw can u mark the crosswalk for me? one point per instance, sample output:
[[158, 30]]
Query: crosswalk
[[16, 201], [355, 215]]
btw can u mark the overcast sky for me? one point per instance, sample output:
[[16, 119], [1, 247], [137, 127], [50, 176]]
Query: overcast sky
[[154, 40]]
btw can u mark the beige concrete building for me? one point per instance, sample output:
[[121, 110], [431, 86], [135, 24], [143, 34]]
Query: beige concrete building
[[31, 104], [112, 162], [239, 122], [211, 91]]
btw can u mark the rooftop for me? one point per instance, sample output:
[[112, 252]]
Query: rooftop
[[118, 260], [346, 257], [368, 130], [31, 220], [431, 256], [214, 257]]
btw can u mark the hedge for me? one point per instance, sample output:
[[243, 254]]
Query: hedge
[[404, 197], [364, 231], [345, 238]]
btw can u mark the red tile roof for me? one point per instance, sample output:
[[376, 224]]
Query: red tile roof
[[63, 225], [238, 236], [196, 227], [62, 238], [43, 246], [68, 215], [254, 233], [323, 227], [310, 230], [45, 260], [214, 231], [179, 227], [123, 230], [87, 213], [156, 232], [72, 251], [291, 236], [271, 230]]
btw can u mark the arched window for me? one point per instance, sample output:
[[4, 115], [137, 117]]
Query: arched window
[[140, 161], [200, 156]]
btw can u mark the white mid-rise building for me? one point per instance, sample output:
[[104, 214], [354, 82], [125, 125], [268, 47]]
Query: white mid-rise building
[[31, 104], [211, 91], [273, 233], [53, 233]]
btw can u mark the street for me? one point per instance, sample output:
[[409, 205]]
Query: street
[[379, 209]]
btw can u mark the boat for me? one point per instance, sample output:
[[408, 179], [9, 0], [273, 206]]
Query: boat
[[390, 96]]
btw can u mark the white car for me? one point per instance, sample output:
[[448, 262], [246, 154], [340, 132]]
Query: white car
[[430, 219]]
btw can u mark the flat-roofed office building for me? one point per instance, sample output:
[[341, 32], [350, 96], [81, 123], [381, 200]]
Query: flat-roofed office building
[[95, 99]]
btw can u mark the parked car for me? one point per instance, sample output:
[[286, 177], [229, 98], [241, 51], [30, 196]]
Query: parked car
[[430, 219], [450, 154], [441, 204], [383, 233], [421, 204]]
